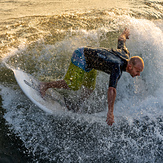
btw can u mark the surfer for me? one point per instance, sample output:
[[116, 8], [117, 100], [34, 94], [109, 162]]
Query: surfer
[[86, 61]]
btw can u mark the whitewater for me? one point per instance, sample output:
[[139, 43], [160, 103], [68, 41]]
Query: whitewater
[[41, 43]]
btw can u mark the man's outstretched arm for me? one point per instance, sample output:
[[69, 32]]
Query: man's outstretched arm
[[125, 35], [111, 100]]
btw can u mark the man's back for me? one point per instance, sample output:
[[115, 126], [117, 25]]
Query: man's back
[[109, 61]]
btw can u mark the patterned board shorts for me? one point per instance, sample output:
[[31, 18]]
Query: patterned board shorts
[[76, 77]]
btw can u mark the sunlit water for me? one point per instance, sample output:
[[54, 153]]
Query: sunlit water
[[39, 38]]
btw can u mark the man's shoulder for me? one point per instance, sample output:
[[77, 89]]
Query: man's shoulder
[[122, 53], [95, 48]]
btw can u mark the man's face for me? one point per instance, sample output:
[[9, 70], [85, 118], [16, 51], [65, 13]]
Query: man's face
[[135, 70]]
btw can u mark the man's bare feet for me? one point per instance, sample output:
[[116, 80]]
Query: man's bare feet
[[43, 89]]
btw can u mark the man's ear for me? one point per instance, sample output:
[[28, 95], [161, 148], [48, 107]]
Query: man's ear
[[129, 66]]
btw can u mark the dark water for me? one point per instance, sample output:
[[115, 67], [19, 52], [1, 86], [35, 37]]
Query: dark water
[[12, 148], [40, 40]]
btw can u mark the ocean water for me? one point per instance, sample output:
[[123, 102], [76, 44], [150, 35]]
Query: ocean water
[[39, 37]]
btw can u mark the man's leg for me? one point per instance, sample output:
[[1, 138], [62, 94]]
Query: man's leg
[[73, 75], [89, 84], [54, 84], [85, 93]]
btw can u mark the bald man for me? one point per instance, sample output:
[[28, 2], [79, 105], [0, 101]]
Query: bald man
[[83, 68]]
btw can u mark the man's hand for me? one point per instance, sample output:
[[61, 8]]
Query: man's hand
[[125, 35], [110, 119], [126, 32]]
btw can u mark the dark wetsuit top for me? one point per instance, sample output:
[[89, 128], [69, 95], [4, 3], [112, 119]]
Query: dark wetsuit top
[[112, 62]]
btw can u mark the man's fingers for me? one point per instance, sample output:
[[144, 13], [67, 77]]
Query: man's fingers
[[110, 121]]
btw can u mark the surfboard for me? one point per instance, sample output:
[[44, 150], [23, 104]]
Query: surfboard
[[53, 100]]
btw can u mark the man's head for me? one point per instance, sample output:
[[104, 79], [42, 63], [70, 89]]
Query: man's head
[[135, 65]]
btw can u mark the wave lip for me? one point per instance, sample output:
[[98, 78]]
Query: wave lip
[[38, 44]]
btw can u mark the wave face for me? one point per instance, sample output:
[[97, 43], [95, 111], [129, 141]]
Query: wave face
[[42, 45]]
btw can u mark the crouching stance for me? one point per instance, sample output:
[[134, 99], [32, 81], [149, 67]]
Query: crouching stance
[[83, 68]]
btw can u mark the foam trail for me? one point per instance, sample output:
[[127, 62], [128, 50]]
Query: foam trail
[[137, 134]]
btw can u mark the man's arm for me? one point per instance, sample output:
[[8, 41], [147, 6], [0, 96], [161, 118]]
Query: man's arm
[[112, 91], [111, 100], [125, 35]]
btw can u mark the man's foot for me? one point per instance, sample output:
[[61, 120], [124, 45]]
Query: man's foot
[[71, 106], [42, 88]]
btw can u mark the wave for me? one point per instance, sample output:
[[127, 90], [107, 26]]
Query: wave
[[53, 28], [49, 60], [48, 43]]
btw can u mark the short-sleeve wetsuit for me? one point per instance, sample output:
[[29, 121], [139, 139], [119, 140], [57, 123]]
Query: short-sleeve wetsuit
[[86, 60], [112, 62]]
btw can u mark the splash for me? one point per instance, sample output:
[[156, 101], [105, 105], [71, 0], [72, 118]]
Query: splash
[[137, 133]]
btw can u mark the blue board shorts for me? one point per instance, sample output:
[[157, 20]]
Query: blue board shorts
[[78, 74]]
